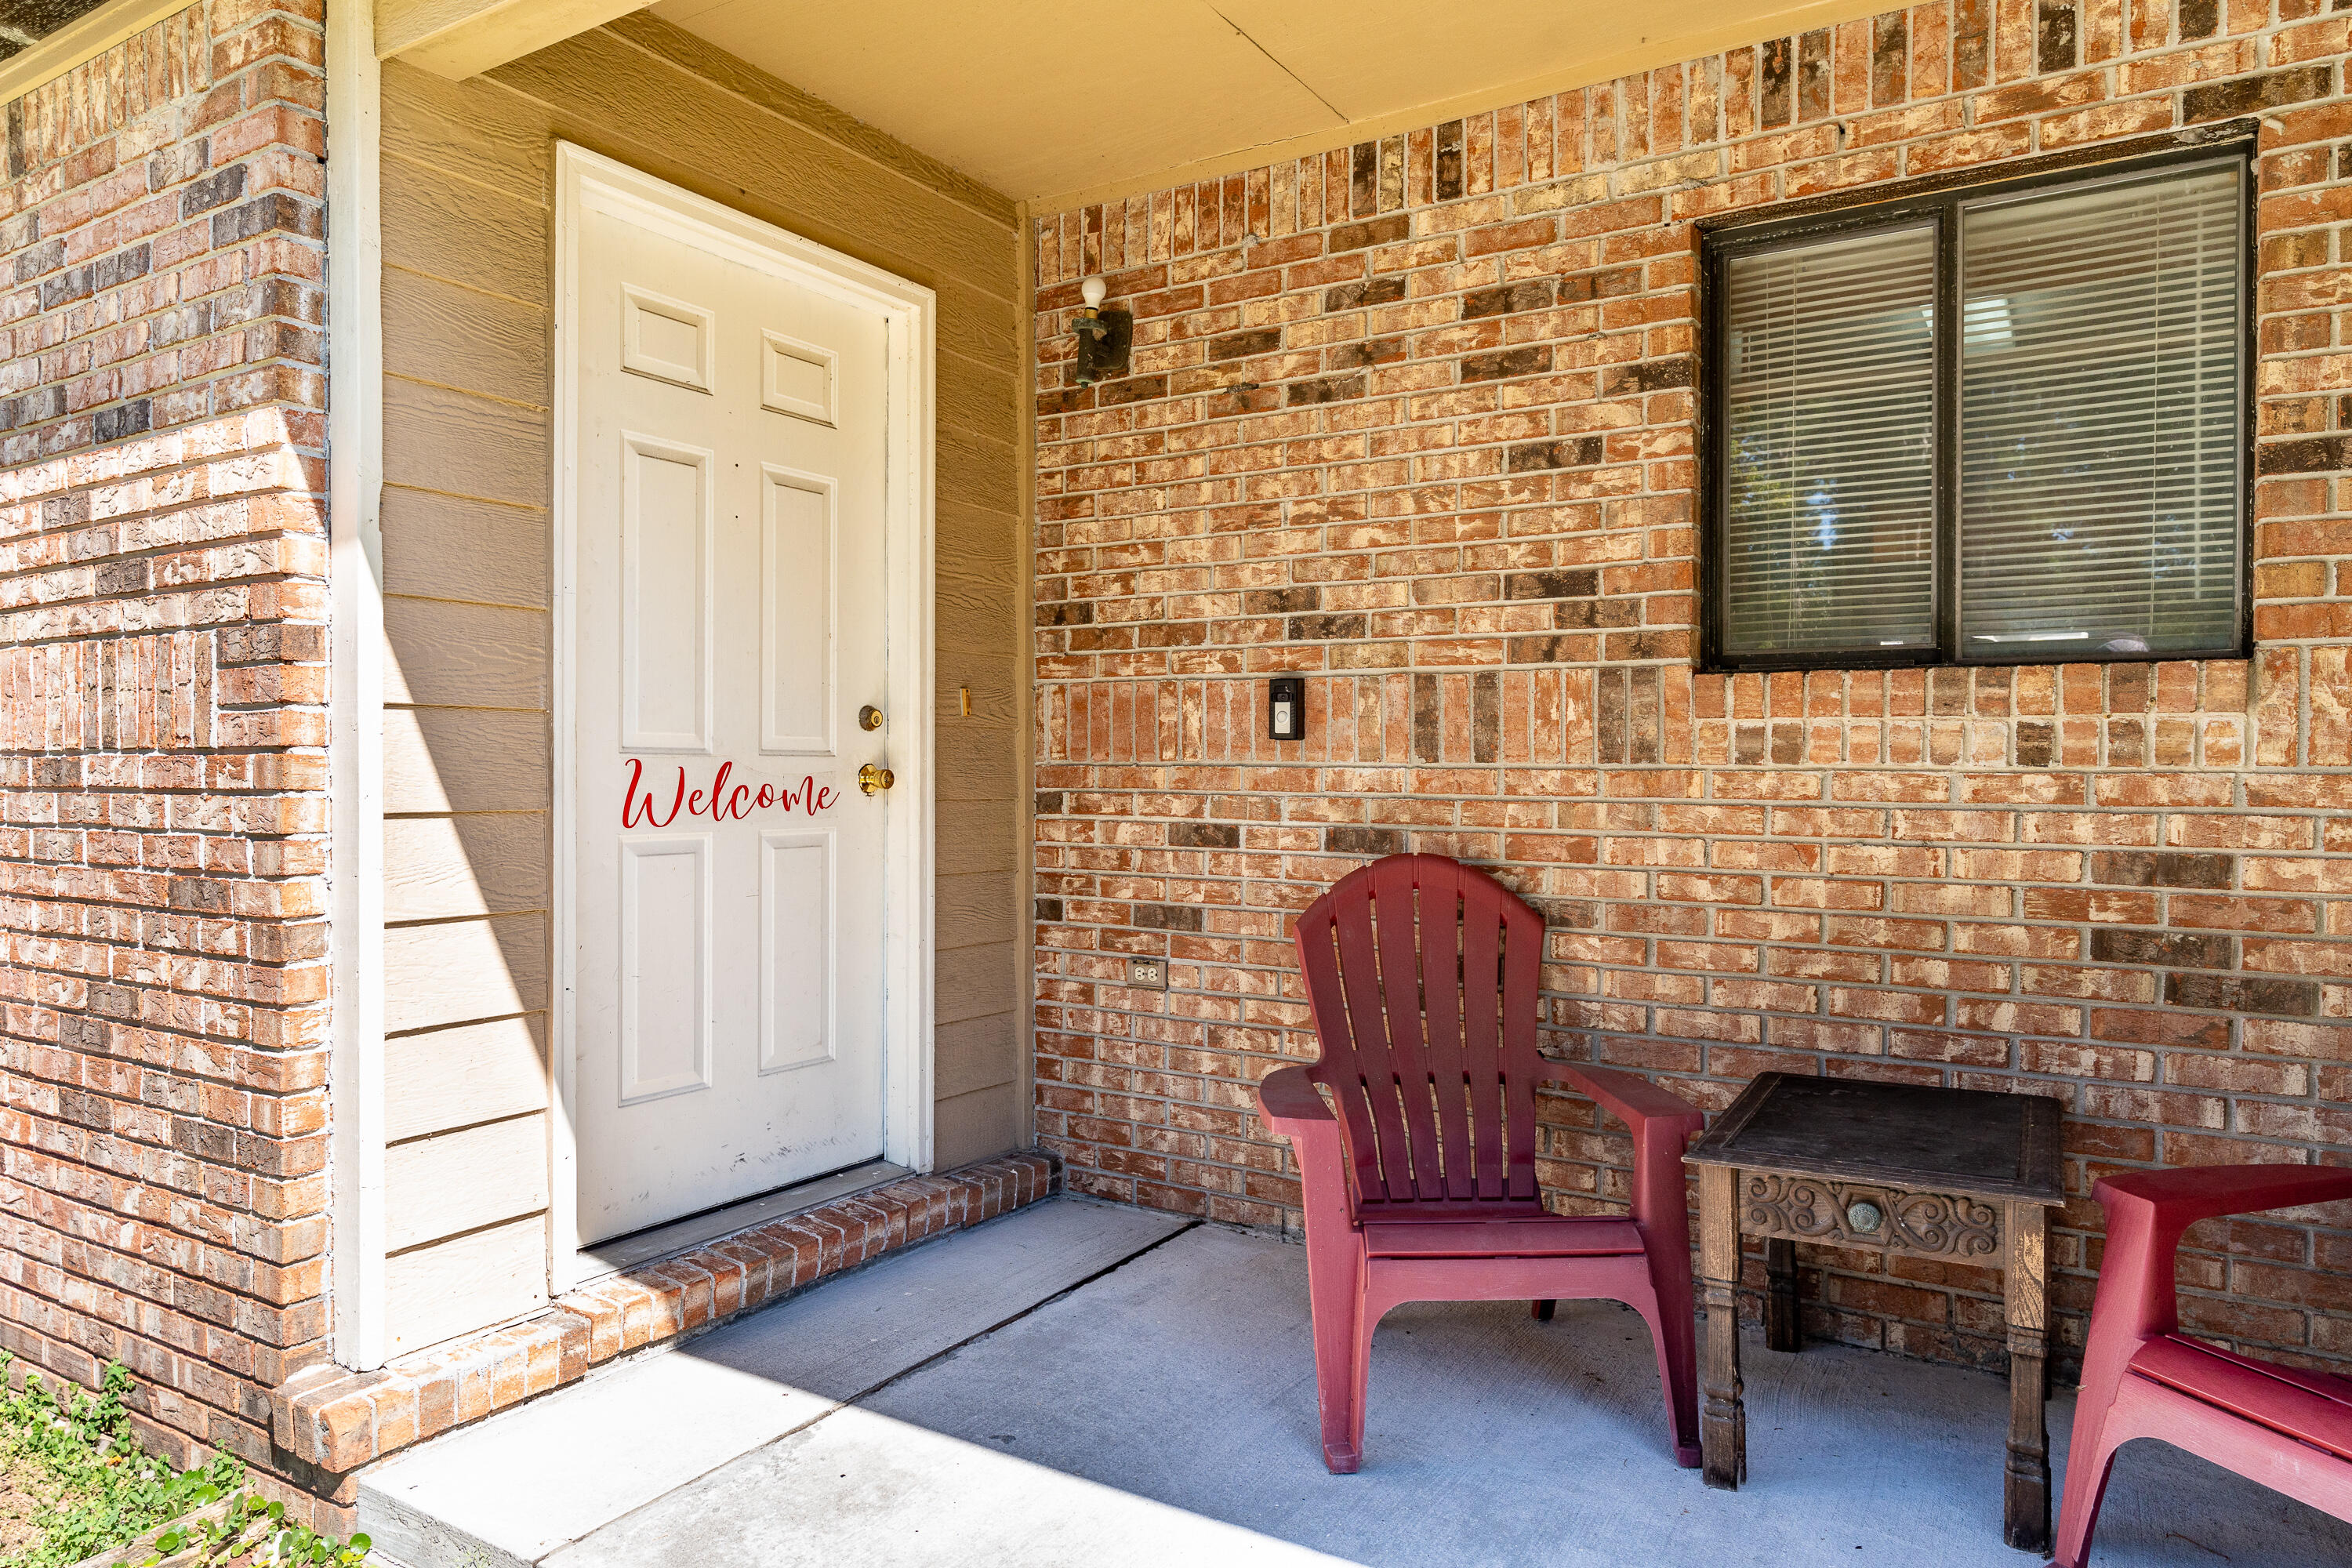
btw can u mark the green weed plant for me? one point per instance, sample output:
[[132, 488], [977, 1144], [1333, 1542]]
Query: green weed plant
[[112, 1491]]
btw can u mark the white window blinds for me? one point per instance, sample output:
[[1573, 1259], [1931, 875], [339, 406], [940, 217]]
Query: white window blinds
[[1828, 534], [2099, 418], [1985, 427]]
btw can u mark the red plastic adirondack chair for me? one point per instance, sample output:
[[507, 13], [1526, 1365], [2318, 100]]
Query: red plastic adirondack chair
[[2287, 1428], [1421, 975]]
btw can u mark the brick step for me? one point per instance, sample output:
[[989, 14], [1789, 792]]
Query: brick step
[[507, 1492], [338, 1420]]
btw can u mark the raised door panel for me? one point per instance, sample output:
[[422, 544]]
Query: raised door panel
[[668, 340], [799, 378], [797, 913], [799, 613], [666, 1000], [667, 556]]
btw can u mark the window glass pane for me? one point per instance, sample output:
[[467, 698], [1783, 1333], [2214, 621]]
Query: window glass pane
[[2099, 411], [1829, 502]]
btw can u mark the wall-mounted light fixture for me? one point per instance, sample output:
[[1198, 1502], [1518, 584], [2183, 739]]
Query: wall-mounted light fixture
[[1104, 337]]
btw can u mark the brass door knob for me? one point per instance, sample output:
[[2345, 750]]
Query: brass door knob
[[871, 778]]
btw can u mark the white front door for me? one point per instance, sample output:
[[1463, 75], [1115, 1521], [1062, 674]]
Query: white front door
[[729, 627]]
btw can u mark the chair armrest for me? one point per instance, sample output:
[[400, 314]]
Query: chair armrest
[[1288, 1099], [2182, 1197], [1661, 1121], [1633, 1100], [2147, 1213], [1287, 1096]]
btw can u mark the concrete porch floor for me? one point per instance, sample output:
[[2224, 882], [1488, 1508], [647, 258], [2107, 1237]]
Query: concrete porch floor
[[1080, 1383]]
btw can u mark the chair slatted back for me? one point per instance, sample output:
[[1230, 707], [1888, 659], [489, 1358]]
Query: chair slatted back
[[1422, 973]]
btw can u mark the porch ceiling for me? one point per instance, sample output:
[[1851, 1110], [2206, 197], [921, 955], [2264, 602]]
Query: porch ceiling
[[1052, 101]]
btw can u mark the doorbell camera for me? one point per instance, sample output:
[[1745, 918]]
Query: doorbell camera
[[1286, 708]]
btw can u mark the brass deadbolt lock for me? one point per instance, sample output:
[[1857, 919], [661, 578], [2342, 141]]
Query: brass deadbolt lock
[[870, 716], [871, 778]]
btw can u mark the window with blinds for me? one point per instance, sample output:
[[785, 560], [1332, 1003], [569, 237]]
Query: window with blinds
[[1829, 535], [1990, 426]]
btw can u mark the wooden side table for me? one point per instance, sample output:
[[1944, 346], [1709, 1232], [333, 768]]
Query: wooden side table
[[1934, 1173]]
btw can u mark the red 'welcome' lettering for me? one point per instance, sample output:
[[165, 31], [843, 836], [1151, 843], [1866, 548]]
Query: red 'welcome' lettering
[[719, 802]]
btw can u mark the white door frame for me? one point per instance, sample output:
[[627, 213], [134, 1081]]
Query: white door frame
[[586, 181], [355, 1075]]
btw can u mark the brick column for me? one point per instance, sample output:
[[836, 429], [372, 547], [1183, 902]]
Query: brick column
[[162, 772]]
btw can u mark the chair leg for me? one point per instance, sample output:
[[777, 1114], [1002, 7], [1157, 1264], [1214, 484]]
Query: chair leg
[[2099, 1427], [1678, 1380], [1359, 1372], [1542, 1312], [2088, 1467], [1335, 1290], [1673, 1326]]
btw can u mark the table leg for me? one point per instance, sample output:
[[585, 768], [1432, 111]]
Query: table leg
[[2025, 1491], [1782, 1331], [1723, 1419]]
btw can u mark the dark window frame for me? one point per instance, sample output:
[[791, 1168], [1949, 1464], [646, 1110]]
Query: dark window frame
[[1938, 203]]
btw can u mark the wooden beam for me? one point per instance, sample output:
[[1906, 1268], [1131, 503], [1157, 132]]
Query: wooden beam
[[458, 38]]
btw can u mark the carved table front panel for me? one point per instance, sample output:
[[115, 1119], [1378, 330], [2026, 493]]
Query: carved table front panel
[[1859, 1214]]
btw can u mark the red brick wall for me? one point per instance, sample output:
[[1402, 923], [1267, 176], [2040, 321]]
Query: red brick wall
[[1414, 419], [163, 682]]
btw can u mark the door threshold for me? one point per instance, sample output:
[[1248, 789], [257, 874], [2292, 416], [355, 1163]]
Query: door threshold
[[604, 1258]]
